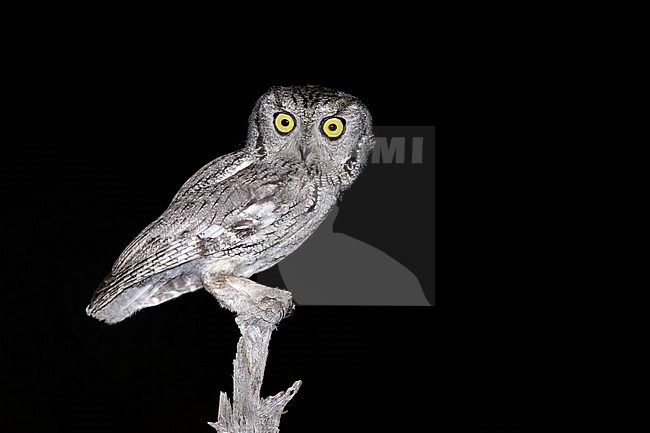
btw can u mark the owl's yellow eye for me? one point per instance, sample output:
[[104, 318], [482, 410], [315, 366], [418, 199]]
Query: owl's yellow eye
[[284, 123], [333, 127]]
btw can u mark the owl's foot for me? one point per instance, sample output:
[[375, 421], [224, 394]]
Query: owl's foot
[[247, 298]]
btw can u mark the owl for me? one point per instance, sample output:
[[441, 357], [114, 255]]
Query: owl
[[244, 212]]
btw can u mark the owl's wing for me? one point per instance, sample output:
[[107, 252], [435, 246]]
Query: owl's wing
[[154, 268], [223, 206]]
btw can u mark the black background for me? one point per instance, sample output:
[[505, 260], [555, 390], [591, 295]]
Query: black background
[[103, 139]]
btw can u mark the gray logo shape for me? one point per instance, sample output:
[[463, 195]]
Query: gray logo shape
[[336, 269]]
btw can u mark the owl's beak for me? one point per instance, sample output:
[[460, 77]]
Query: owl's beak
[[305, 150]]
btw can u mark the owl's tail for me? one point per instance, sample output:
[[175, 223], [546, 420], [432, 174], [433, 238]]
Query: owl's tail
[[112, 308]]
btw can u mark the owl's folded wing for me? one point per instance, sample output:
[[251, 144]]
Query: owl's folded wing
[[212, 217]]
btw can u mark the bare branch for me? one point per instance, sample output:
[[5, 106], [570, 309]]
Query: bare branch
[[259, 309]]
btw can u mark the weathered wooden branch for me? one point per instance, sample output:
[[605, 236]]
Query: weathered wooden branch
[[259, 309]]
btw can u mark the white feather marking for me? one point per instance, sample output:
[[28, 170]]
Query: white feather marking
[[212, 232], [260, 210], [231, 171]]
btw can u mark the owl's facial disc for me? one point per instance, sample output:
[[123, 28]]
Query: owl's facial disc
[[327, 130]]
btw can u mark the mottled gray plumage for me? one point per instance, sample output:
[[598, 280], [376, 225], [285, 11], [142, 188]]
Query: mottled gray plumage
[[246, 211]]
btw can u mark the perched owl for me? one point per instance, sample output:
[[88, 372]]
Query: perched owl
[[244, 212]]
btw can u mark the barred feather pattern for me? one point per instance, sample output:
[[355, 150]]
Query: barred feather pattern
[[245, 211]]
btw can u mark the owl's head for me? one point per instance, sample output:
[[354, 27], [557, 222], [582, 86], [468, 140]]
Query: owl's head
[[327, 130]]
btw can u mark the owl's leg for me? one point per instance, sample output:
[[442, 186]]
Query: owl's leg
[[259, 309]]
